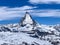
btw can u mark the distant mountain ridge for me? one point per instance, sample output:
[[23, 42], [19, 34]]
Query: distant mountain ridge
[[28, 24]]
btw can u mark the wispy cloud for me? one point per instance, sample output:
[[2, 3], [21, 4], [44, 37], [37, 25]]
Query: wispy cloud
[[9, 13], [44, 1], [46, 13]]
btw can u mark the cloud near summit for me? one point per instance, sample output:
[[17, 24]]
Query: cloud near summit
[[10, 13], [44, 1]]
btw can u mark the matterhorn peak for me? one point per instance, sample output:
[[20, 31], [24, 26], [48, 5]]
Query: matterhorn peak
[[27, 21]]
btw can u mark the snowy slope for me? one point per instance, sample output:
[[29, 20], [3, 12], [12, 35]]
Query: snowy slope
[[18, 38], [47, 28]]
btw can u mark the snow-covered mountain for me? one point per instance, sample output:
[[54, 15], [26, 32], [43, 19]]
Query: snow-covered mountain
[[29, 32], [27, 22]]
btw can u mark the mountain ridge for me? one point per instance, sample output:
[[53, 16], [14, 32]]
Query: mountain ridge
[[30, 32]]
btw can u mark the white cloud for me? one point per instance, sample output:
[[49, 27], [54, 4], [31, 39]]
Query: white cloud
[[44, 1], [9, 13], [46, 13], [23, 8]]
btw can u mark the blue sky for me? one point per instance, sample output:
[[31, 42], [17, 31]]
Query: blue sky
[[43, 11]]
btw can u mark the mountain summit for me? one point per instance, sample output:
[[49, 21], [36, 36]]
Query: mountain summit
[[27, 21]]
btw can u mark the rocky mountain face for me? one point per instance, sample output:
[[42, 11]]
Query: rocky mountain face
[[57, 27], [29, 32], [27, 22]]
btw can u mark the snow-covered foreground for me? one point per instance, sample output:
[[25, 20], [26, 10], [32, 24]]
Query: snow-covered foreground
[[18, 38]]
